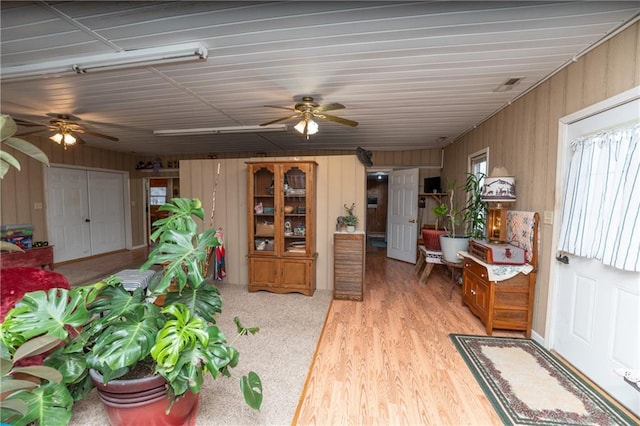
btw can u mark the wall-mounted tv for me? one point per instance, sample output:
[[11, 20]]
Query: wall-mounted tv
[[432, 184]]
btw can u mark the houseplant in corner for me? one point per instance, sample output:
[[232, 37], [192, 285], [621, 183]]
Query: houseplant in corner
[[470, 218], [350, 220], [114, 332]]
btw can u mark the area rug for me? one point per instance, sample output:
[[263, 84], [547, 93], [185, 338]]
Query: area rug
[[527, 385]]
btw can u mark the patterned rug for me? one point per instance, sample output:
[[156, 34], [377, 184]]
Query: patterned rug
[[527, 385]]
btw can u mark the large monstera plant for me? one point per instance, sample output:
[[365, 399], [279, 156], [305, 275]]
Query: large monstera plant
[[106, 328]]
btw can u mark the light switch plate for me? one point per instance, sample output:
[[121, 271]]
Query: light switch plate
[[548, 218]]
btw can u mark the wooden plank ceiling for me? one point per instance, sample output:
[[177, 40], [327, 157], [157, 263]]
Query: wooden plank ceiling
[[415, 75]]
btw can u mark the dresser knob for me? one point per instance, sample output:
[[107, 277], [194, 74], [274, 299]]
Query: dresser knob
[[482, 275], [473, 292]]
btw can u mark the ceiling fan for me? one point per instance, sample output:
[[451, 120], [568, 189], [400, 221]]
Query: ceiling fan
[[66, 129], [307, 110]]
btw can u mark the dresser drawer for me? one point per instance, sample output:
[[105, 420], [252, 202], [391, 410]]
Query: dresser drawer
[[475, 268]]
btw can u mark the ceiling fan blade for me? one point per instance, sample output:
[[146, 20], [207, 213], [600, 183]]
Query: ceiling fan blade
[[330, 107], [280, 107], [280, 119], [31, 132], [99, 135], [340, 120], [23, 122], [79, 140]]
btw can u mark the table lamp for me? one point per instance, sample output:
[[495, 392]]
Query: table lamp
[[499, 187]]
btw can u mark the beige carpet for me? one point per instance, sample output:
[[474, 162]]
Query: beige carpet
[[281, 353]]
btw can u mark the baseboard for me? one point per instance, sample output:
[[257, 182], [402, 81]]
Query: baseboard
[[537, 338]]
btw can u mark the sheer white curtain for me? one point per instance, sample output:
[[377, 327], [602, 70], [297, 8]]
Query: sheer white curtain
[[601, 209]]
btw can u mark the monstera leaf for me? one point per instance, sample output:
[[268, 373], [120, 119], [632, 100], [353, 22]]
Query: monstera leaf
[[8, 128], [183, 259], [49, 312], [204, 301], [122, 345]]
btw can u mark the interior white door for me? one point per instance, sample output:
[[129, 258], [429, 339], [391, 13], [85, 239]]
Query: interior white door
[[68, 213], [85, 212], [596, 309], [106, 204], [402, 215]]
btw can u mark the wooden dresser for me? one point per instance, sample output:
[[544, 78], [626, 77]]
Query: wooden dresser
[[348, 265], [503, 303]]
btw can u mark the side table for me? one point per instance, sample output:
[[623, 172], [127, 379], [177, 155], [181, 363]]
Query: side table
[[456, 273]]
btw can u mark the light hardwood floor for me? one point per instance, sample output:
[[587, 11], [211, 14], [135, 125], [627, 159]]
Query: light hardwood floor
[[389, 360]]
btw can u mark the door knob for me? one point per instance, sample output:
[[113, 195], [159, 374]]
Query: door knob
[[412, 221], [87, 220]]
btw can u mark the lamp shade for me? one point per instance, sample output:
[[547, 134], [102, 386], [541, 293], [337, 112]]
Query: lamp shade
[[499, 189]]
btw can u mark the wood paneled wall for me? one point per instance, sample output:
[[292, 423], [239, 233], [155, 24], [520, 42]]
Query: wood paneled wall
[[22, 191], [341, 180], [523, 137]]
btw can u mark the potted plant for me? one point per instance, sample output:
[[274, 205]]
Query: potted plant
[[471, 217], [475, 211], [117, 334], [350, 220]]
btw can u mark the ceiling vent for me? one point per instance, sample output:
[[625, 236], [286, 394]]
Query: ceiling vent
[[508, 85]]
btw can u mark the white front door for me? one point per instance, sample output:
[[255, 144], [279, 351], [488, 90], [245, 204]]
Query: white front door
[[596, 310], [68, 213], [106, 204], [402, 228]]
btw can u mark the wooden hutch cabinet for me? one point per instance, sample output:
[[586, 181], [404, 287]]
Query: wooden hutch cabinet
[[282, 226]]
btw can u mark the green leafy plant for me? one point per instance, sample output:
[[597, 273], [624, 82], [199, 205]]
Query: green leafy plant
[[472, 216], [475, 211], [106, 328], [350, 219], [34, 393], [8, 128]]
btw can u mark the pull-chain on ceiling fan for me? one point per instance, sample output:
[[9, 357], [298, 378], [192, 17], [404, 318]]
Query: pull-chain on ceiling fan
[[307, 110], [66, 129]]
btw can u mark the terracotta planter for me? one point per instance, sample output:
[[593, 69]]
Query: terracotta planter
[[431, 239], [128, 401]]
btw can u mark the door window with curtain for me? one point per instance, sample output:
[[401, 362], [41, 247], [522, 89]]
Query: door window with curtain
[[601, 211]]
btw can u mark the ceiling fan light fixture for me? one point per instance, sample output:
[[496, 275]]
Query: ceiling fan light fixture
[[57, 138], [311, 126], [69, 139]]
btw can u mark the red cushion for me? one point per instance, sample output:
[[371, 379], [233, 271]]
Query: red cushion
[[431, 239], [15, 282]]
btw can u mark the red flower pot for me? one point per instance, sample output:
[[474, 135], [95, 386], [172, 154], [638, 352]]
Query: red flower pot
[[128, 401]]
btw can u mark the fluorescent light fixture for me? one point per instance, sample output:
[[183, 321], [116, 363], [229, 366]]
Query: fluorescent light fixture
[[178, 53], [221, 130]]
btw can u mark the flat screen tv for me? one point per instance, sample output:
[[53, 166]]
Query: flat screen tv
[[432, 184]]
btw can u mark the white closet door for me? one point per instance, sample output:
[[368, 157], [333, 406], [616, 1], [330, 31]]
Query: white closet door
[[106, 204], [85, 212], [68, 213]]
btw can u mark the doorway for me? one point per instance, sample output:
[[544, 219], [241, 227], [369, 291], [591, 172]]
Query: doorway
[[159, 191], [377, 197]]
